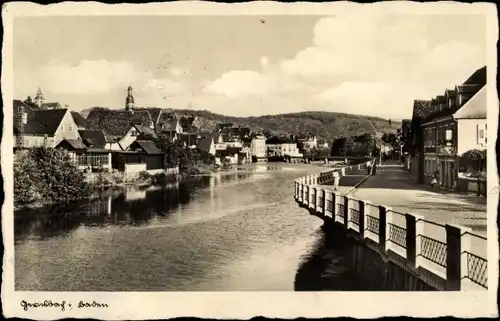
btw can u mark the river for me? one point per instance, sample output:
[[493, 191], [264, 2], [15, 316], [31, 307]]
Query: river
[[237, 231]]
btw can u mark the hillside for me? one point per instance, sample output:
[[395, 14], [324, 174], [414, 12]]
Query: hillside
[[325, 125]]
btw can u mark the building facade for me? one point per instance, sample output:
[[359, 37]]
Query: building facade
[[453, 124]]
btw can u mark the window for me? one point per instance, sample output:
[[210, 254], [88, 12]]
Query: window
[[480, 134]]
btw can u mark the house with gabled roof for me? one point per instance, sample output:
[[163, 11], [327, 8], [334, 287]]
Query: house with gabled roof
[[88, 153], [79, 120], [190, 124], [119, 125], [169, 125], [206, 144], [42, 128], [448, 130], [141, 155]]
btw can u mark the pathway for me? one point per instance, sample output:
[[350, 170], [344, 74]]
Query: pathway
[[391, 186]]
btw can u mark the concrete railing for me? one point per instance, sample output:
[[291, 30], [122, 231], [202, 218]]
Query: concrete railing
[[450, 252]]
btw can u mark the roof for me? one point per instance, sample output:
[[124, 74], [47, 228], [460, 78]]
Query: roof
[[147, 146], [116, 122], [155, 112], [204, 143], [44, 122], [93, 138], [168, 121], [188, 138], [20, 104], [450, 93], [475, 108], [79, 120], [468, 88], [478, 77], [72, 144], [422, 108], [204, 133], [145, 130], [51, 106], [440, 99]]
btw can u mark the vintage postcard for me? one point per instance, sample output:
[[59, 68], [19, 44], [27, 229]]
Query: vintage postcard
[[253, 159]]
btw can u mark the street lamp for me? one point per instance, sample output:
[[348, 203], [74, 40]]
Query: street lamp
[[375, 141]]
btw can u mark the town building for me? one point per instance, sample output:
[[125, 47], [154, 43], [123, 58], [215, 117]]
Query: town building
[[79, 120], [258, 148], [447, 130], [206, 144], [42, 128], [308, 142], [89, 155], [282, 148]]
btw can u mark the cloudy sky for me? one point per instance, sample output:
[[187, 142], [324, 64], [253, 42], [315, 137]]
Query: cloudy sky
[[248, 65]]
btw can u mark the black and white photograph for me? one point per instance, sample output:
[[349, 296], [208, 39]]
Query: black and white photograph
[[219, 150]]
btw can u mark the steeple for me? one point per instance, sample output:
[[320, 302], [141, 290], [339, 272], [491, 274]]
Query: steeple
[[39, 98], [129, 102]]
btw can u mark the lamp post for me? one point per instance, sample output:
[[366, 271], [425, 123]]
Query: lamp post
[[375, 141]]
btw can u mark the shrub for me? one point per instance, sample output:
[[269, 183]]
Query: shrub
[[26, 179], [49, 175], [144, 176]]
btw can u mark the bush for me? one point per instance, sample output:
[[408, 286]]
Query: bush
[[49, 175], [144, 176]]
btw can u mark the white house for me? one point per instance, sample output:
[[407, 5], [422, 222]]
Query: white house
[[471, 123], [258, 146], [37, 128]]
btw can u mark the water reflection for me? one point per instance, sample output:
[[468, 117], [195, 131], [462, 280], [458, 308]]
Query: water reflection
[[239, 231]]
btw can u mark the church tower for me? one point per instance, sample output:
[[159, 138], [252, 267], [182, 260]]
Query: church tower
[[39, 98], [129, 103]]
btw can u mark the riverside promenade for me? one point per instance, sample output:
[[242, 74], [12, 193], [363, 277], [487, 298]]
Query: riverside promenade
[[413, 241], [435, 204]]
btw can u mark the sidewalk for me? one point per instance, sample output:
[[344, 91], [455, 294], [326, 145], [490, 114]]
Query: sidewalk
[[347, 182], [392, 186]]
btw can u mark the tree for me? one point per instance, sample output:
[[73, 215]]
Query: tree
[[475, 160], [363, 145], [342, 146], [47, 174]]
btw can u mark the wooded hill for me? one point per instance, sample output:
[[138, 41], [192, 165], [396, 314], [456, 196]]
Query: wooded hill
[[325, 125]]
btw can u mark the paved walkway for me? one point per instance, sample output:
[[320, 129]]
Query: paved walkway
[[392, 186], [347, 182]]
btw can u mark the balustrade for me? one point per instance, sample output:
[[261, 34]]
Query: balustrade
[[451, 252]]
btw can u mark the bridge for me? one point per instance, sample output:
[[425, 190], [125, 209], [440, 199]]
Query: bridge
[[412, 251]]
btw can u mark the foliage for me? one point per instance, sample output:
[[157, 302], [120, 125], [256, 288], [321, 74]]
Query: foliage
[[187, 159], [48, 175], [391, 139], [361, 145], [475, 160]]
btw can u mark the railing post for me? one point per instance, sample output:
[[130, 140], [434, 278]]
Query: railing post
[[453, 261], [382, 226], [324, 202], [361, 219], [346, 212], [334, 205], [465, 242], [411, 240]]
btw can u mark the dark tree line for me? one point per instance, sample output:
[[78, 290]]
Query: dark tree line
[[361, 145]]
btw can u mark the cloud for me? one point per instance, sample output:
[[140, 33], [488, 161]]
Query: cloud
[[240, 83], [165, 86], [179, 71], [369, 62], [93, 77], [264, 61]]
